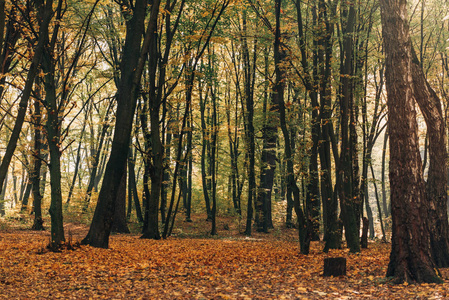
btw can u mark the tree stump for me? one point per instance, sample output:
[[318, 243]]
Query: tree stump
[[334, 266], [365, 228]]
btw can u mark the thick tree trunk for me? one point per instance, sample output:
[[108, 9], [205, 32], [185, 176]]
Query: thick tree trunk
[[131, 71], [436, 185], [410, 257], [119, 224]]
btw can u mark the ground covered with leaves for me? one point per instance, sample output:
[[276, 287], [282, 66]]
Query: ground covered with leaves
[[231, 266]]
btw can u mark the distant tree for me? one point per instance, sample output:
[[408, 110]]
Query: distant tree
[[44, 16]]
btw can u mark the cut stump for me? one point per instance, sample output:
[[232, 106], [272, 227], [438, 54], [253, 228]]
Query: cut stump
[[334, 266], [365, 228]]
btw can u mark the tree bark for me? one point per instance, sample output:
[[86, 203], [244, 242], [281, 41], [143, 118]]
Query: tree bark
[[410, 257], [436, 185], [119, 224]]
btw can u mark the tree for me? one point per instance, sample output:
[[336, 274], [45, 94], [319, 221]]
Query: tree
[[305, 228], [131, 68], [37, 159], [346, 180], [44, 16], [153, 104], [436, 185], [410, 257], [53, 128]]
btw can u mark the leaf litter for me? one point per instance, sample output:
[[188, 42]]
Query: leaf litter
[[195, 268]]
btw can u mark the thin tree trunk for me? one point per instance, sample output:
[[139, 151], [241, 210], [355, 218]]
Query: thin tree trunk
[[132, 186], [44, 15], [386, 206], [204, 147], [37, 165], [213, 161], [378, 205], [97, 155], [248, 108], [349, 201], [53, 127], [2, 197], [78, 155]]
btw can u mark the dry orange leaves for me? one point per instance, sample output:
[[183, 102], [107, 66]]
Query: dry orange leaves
[[237, 268]]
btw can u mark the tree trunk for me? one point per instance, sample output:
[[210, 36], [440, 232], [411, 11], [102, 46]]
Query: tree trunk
[[78, 155], [2, 197], [379, 211], [166, 179], [436, 185], [53, 126], [385, 205], [132, 185], [97, 155], [44, 15], [349, 201], [119, 224], [248, 108], [131, 71], [204, 147], [310, 81], [410, 257], [37, 159]]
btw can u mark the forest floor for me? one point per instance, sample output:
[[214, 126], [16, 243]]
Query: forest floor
[[193, 265]]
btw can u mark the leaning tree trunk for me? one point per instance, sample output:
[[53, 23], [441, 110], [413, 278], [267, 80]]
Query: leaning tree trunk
[[410, 257], [436, 185], [131, 71], [44, 16]]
